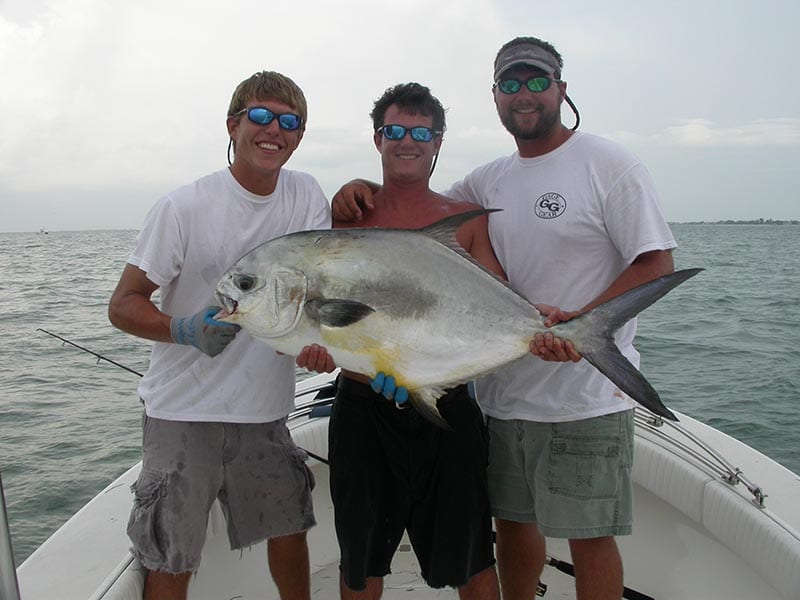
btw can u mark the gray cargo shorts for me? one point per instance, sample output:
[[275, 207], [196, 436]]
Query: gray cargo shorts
[[573, 479], [255, 470]]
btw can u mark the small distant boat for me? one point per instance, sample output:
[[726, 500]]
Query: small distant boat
[[702, 528], [42, 230]]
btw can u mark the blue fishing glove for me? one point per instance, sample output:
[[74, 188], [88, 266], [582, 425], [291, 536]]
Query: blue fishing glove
[[388, 388], [203, 332]]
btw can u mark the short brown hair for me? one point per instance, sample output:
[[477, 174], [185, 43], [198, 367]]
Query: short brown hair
[[411, 98], [269, 85]]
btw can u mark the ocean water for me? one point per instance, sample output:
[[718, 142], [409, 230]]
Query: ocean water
[[722, 347]]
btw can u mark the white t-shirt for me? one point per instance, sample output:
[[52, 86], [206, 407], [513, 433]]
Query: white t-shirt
[[572, 220], [189, 239]]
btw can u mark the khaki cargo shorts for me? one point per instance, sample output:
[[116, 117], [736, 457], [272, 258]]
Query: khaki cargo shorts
[[254, 469]]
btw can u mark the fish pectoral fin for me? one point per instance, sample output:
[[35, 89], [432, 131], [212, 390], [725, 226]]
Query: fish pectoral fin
[[337, 313]]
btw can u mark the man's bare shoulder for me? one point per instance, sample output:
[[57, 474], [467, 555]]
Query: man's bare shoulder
[[412, 212], [450, 206]]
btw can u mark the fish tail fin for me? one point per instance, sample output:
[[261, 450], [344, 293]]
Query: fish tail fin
[[621, 309], [614, 365], [603, 321]]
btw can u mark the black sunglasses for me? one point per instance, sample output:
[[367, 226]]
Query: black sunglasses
[[264, 116], [534, 84], [398, 132]]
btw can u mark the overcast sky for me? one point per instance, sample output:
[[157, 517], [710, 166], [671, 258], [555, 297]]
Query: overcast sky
[[105, 105]]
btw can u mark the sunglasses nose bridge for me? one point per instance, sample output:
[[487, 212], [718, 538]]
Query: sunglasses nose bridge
[[407, 138], [272, 127]]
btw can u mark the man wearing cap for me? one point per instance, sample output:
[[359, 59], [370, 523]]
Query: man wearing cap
[[580, 223]]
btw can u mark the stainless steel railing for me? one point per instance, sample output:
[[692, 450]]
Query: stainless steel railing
[[9, 586]]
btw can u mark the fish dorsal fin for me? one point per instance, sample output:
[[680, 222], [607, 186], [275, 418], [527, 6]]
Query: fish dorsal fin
[[337, 313], [444, 230]]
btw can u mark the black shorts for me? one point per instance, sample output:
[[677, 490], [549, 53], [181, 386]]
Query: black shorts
[[391, 470]]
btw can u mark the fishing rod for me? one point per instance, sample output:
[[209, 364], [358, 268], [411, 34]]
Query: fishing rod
[[569, 569], [99, 356], [121, 366]]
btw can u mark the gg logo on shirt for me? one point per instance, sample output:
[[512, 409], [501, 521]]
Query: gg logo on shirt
[[550, 205]]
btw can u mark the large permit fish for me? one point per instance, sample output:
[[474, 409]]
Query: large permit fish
[[413, 304]]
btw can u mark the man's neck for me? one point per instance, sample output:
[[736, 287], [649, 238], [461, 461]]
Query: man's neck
[[403, 205], [544, 144], [255, 183], [402, 192]]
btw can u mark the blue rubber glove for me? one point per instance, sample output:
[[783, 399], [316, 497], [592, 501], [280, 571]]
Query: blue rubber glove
[[203, 332], [388, 388]]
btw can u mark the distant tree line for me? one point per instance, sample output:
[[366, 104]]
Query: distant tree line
[[750, 222]]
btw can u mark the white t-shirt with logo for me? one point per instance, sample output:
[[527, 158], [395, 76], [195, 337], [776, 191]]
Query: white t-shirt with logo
[[572, 220], [189, 239]]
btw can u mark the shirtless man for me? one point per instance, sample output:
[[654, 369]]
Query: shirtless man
[[390, 469]]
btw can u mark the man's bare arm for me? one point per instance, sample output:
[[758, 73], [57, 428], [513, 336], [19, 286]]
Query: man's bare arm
[[352, 199], [131, 309]]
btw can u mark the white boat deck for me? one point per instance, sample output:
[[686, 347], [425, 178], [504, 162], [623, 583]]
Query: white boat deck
[[695, 535]]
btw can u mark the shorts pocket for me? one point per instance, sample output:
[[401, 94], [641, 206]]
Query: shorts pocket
[[144, 525], [299, 458], [584, 464]]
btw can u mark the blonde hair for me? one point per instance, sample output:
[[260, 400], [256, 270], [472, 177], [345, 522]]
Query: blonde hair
[[269, 85]]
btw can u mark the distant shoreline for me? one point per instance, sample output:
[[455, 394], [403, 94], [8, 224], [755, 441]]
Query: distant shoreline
[[730, 222], [720, 222]]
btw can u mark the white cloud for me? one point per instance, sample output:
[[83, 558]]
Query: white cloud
[[702, 133], [762, 132], [116, 92]]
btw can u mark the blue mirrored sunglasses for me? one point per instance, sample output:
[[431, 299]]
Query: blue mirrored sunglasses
[[264, 116], [398, 132], [534, 84]]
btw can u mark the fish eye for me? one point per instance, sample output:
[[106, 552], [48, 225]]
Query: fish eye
[[244, 282]]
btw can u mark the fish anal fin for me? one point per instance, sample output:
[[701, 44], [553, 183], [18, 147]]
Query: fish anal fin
[[337, 313], [424, 402]]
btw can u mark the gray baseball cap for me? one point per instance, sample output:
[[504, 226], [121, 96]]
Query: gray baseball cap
[[526, 54]]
